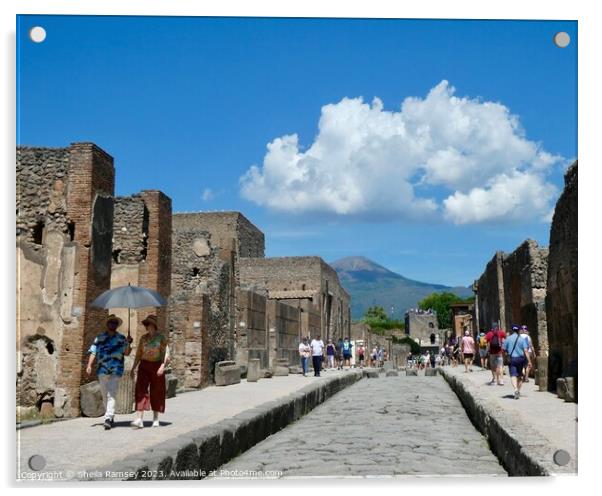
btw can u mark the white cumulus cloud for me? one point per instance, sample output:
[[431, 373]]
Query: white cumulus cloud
[[366, 160]]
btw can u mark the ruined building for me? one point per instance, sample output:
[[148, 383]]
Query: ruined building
[[512, 290], [64, 230], [422, 326], [199, 319], [561, 299], [141, 254], [307, 283]]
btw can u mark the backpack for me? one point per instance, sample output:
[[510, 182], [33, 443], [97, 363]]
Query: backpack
[[495, 346], [483, 342]]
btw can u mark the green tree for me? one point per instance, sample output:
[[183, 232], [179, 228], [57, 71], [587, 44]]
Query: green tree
[[375, 315], [440, 302]]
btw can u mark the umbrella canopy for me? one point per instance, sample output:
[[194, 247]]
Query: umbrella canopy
[[129, 297]]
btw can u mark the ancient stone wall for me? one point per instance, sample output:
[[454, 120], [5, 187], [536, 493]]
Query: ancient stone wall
[[490, 294], [524, 276], [301, 278], [197, 272], [283, 331], [142, 252], [252, 332], [64, 231], [561, 299], [420, 327]]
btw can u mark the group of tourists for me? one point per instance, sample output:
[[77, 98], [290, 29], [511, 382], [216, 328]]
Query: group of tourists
[[491, 349], [109, 350], [518, 348], [338, 354]]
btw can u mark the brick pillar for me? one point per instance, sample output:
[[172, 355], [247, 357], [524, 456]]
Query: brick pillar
[[155, 271], [90, 208]]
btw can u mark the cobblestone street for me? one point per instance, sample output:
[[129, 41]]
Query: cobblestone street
[[390, 426]]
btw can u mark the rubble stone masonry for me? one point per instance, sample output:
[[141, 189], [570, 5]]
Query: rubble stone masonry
[[198, 321], [142, 252], [303, 279], [561, 299], [64, 231], [525, 281]]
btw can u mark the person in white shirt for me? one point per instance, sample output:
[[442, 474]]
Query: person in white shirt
[[317, 351], [304, 353]]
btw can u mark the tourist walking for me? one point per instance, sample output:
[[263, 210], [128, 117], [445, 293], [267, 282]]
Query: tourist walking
[[467, 346], [524, 333], [361, 354], [317, 352], [347, 346], [339, 350], [432, 359], [482, 340], [304, 353], [152, 356], [373, 356], [517, 350], [109, 349], [381, 357], [495, 340], [331, 350]]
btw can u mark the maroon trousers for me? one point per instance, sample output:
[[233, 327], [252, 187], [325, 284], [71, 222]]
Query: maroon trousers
[[150, 388]]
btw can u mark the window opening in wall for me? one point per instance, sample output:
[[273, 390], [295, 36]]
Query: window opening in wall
[[71, 230], [303, 287], [117, 256], [38, 233], [50, 347], [196, 272], [144, 250]]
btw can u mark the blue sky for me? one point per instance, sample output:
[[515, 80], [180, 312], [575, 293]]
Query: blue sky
[[189, 105]]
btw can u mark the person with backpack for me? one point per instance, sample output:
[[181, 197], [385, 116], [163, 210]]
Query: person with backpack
[[495, 340], [482, 340], [517, 350], [347, 352]]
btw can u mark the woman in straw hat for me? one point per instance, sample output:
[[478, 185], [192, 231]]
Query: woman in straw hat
[[152, 356], [108, 349]]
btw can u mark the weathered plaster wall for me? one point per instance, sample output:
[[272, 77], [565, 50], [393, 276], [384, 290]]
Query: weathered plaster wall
[[64, 231]]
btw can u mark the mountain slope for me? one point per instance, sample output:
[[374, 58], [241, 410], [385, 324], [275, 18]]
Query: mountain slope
[[372, 284]]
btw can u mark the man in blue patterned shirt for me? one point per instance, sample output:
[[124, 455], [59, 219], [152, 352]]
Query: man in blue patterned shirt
[[109, 349]]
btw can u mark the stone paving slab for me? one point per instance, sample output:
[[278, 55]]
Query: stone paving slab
[[531, 428], [390, 427], [81, 444]]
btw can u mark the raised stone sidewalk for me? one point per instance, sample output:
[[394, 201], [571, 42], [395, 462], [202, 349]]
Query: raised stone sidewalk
[[525, 433], [199, 431]]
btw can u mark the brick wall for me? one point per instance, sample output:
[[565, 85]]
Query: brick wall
[[90, 209]]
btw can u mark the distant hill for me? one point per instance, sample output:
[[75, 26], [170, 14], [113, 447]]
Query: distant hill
[[372, 284]]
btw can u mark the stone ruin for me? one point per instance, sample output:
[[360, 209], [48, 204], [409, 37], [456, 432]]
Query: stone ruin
[[64, 229], [561, 297], [537, 286], [75, 239]]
